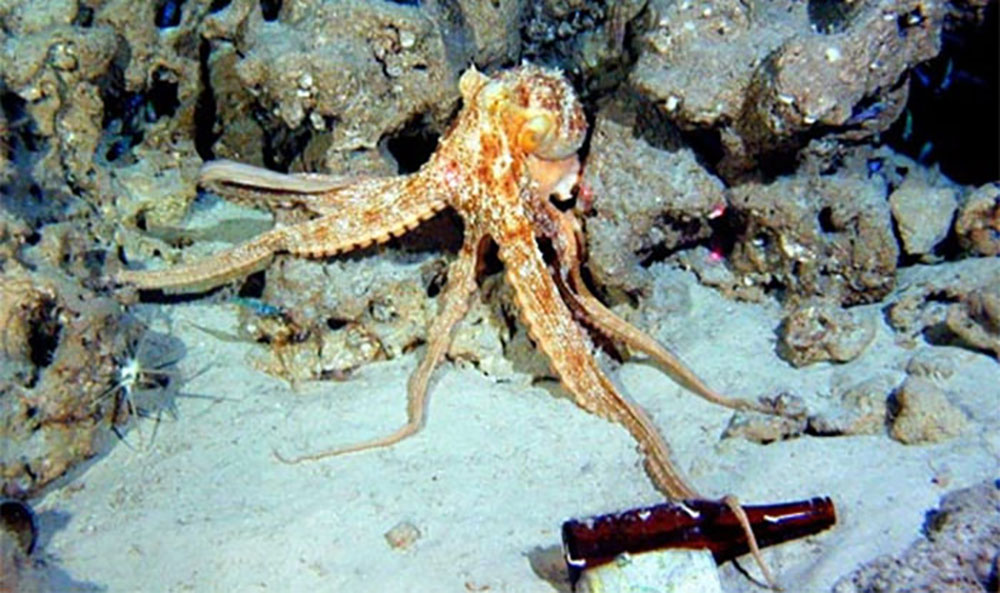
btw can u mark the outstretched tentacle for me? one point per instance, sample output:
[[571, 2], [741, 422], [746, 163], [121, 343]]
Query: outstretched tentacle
[[568, 245], [553, 329], [262, 188], [454, 304], [364, 212], [566, 235], [221, 268]]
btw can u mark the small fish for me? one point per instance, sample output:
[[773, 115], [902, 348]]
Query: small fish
[[169, 14], [258, 306], [925, 152], [922, 77], [908, 126], [870, 112], [949, 68], [874, 166]]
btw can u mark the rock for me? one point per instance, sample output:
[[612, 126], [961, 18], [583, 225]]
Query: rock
[[824, 332], [923, 216], [590, 40], [978, 221], [763, 428], [19, 572], [808, 237], [923, 414], [861, 409], [769, 428], [958, 550], [931, 363], [921, 309], [768, 76], [377, 309], [484, 33], [402, 536], [351, 70], [646, 201], [976, 319], [62, 347]]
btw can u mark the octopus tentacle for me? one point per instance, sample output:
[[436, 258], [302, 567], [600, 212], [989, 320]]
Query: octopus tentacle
[[223, 267], [364, 212], [569, 248], [369, 211], [454, 304], [553, 329], [262, 188]]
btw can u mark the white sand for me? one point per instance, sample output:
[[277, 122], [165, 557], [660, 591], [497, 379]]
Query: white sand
[[206, 507]]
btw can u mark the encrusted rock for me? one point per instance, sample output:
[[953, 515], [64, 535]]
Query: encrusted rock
[[61, 351], [923, 414], [768, 428], [976, 319], [828, 237], [921, 308], [923, 216], [380, 310], [819, 332], [646, 202], [763, 428], [770, 75], [978, 221], [351, 70], [862, 408], [931, 363], [958, 550], [484, 33], [27, 306]]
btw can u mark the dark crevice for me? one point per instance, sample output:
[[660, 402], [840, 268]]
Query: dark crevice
[[825, 220], [205, 109], [335, 323], [84, 17], [18, 122], [128, 114], [707, 146], [43, 338], [253, 286], [436, 284], [951, 117], [282, 145], [811, 431], [413, 146], [168, 13], [831, 16], [162, 95], [20, 193], [270, 9]]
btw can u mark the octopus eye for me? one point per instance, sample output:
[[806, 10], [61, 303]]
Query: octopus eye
[[535, 133]]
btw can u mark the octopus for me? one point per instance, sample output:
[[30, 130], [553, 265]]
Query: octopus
[[504, 165]]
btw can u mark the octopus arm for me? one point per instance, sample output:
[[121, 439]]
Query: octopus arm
[[359, 214], [570, 353]]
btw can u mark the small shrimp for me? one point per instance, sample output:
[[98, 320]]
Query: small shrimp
[[145, 367]]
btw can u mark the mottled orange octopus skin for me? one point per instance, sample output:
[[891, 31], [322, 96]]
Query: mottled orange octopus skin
[[511, 150]]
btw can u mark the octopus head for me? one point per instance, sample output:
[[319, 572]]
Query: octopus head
[[536, 106]]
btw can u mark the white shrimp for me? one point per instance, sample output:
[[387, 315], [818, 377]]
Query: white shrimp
[[145, 371]]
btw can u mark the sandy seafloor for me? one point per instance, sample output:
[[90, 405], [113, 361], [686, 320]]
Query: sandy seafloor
[[201, 504]]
